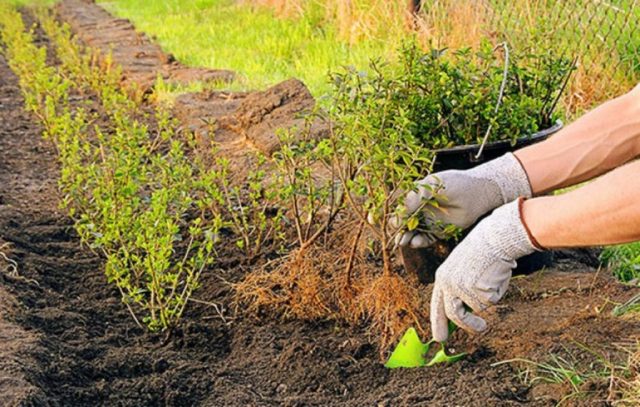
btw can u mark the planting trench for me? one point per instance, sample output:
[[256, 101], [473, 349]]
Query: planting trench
[[243, 120], [67, 339]]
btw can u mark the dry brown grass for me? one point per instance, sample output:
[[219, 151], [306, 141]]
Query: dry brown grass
[[458, 24], [629, 386], [357, 20], [318, 284], [594, 81]]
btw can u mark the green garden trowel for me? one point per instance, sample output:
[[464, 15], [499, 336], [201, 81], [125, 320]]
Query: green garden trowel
[[411, 352]]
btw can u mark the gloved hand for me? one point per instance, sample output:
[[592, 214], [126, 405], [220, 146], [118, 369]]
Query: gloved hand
[[478, 270], [463, 196]]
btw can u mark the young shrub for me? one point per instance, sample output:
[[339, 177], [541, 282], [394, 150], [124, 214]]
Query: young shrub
[[250, 207], [372, 145], [144, 204], [297, 285], [330, 187], [136, 198], [451, 96], [149, 273], [45, 92], [308, 183], [77, 156], [88, 69], [378, 159]]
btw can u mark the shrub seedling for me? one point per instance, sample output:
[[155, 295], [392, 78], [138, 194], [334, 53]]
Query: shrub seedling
[[450, 96], [134, 197]]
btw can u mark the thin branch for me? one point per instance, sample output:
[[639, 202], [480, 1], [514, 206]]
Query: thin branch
[[505, 75], [352, 252]]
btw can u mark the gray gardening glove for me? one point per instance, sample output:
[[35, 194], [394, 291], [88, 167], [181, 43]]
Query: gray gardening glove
[[477, 271], [463, 197]]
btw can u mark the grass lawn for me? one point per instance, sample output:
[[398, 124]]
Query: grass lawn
[[624, 261], [262, 49]]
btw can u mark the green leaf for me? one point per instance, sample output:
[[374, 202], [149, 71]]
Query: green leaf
[[412, 223]]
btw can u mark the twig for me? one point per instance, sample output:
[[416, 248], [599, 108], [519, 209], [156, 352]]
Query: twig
[[215, 306], [352, 253], [12, 268], [126, 303], [562, 88], [505, 75]]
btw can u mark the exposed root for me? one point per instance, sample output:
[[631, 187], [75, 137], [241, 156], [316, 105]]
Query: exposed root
[[338, 283], [392, 304], [294, 288], [347, 294], [10, 267], [262, 292]]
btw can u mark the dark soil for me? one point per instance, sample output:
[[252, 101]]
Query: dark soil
[[68, 341]]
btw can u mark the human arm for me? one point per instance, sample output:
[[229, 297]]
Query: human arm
[[602, 139], [603, 212], [478, 270]]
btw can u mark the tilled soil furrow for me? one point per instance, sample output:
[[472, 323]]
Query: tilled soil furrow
[[75, 341], [141, 59]]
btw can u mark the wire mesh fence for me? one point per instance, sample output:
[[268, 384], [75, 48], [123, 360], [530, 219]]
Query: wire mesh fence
[[603, 37], [583, 29]]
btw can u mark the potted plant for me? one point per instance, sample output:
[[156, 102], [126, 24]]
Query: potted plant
[[464, 107]]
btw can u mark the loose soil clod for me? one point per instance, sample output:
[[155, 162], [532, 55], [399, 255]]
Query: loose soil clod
[[245, 121]]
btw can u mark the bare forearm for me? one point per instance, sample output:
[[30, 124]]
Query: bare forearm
[[599, 141], [605, 211]]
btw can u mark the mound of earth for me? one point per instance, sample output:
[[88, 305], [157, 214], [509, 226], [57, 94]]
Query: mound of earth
[[142, 60]]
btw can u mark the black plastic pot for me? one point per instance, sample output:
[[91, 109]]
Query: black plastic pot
[[464, 157], [426, 261]]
